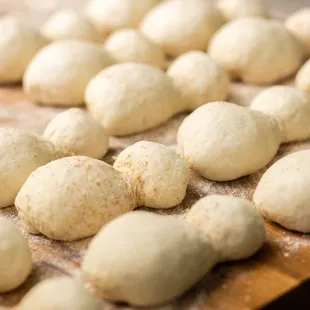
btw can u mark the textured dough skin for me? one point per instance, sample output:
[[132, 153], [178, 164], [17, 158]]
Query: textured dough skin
[[303, 78], [199, 79], [71, 198], [111, 15], [257, 50], [130, 45], [18, 44], [60, 293], [75, 132], [21, 152], [223, 141], [283, 196], [180, 26], [68, 24], [60, 72], [290, 107], [130, 98], [158, 175], [233, 225], [135, 247], [15, 256]]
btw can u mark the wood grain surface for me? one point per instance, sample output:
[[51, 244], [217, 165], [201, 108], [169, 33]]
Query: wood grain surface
[[282, 263]]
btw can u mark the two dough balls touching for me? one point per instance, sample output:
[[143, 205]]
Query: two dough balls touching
[[302, 80]]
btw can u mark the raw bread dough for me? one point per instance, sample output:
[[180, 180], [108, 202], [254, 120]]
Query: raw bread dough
[[199, 79], [60, 72], [18, 44], [160, 257], [223, 141], [283, 195], [129, 98], [158, 175], [130, 45], [233, 225], [72, 198], [179, 26], [15, 256], [290, 107], [21, 152], [257, 50], [303, 77], [75, 132]]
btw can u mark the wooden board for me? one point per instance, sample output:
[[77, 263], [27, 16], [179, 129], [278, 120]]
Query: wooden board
[[280, 265]]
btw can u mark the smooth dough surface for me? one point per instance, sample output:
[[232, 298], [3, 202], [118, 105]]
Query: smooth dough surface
[[302, 80]]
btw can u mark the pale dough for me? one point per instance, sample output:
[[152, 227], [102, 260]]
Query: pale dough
[[302, 80]]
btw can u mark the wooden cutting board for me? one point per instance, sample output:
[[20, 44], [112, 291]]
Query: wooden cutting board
[[282, 263]]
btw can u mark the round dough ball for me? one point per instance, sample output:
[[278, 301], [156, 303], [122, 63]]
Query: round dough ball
[[159, 256], [111, 15], [18, 44], [68, 24], [129, 98], [72, 198], [223, 141], [199, 79], [15, 256], [76, 132], [60, 72], [59, 293], [233, 225], [129, 45], [283, 196], [21, 152], [179, 26], [256, 50], [303, 78], [290, 107], [158, 175]]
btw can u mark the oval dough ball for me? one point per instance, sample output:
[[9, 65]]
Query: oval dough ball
[[68, 24], [111, 15], [233, 225], [160, 256], [75, 132], [179, 26], [15, 256], [290, 107], [18, 44], [72, 198], [283, 196], [21, 152], [129, 98], [223, 141], [159, 176], [256, 50], [303, 78], [129, 45], [60, 72], [59, 293], [199, 79]]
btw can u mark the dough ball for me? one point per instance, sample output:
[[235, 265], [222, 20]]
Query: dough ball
[[129, 98], [21, 152], [59, 293], [179, 26], [76, 132], [68, 24], [18, 44], [257, 50], [303, 78], [129, 45], [160, 257], [159, 176], [15, 256], [223, 141], [72, 198], [290, 107], [199, 79], [233, 225], [111, 15], [283, 196], [60, 72]]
